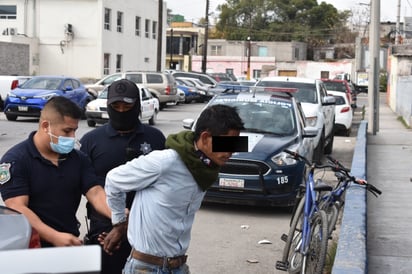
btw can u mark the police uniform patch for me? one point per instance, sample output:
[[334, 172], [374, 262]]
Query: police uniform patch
[[145, 148], [4, 173]]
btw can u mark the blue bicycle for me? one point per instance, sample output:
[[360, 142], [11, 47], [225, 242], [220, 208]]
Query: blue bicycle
[[332, 201], [307, 242]]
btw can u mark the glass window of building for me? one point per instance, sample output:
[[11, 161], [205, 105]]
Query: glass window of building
[[137, 25], [119, 21]]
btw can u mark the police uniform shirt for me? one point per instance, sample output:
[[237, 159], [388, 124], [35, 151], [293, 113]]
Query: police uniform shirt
[[54, 191]]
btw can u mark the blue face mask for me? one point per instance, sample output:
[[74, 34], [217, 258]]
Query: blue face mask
[[64, 144]]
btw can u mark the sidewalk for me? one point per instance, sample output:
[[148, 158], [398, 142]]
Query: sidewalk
[[389, 217]]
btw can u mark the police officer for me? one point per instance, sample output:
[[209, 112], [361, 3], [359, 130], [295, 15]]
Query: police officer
[[44, 177], [123, 138]]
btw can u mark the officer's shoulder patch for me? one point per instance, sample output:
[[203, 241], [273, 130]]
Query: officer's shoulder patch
[[4, 173]]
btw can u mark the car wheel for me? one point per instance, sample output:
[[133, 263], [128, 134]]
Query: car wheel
[[11, 117], [153, 120], [318, 153], [329, 147], [91, 123]]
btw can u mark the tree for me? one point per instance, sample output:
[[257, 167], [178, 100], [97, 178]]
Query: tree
[[282, 20]]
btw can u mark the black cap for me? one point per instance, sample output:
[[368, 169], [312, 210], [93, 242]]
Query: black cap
[[122, 90]]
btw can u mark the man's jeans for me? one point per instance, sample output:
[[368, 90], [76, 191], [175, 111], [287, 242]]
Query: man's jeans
[[134, 266]]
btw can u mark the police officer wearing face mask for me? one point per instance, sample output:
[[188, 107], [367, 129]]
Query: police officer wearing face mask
[[44, 177], [123, 138]]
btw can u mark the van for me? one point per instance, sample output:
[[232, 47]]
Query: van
[[9, 82], [162, 85]]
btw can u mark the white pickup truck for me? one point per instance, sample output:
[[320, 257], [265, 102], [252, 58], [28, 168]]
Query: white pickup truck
[[9, 82], [319, 108]]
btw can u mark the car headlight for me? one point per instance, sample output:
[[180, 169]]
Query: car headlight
[[92, 108], [311, 121], [283, 159], [46, 96], [11, 94]]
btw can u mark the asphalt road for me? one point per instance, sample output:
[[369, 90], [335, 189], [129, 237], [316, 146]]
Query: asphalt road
[[225, 239]]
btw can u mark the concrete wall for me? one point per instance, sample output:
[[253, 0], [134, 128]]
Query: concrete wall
[[14, 59], [351, 256]]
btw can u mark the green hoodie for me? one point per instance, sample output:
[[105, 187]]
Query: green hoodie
[[183, 144]]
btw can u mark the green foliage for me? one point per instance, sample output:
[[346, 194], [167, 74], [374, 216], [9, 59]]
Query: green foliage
[[282, 20]]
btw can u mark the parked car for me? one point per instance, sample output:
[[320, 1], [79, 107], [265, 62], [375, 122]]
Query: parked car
[[204, 78], [29, 99], [202, 89], [161, 84], [8, 83], [16, 231], [220, 76], [342, 86], [343, 113], [191, 92], [317, 105], [96, 110], [265, 175]]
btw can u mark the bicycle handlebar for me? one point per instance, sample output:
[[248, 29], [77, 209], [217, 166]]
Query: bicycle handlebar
[[336, 166]]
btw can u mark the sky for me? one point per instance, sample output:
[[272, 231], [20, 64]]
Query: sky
[[193, 10]]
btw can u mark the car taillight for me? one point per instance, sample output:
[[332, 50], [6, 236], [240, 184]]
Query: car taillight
[[168, 89], [34, 239], [14, 84], [345, 109]]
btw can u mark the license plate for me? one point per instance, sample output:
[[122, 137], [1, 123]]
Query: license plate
[[23, 108], [232, 182], [105, 115]]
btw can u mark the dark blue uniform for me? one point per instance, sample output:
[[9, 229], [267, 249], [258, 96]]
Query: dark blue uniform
[[54, 191], [108, 149]]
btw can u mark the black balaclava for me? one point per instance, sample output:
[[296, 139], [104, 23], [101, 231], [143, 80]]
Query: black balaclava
[[126, 120]]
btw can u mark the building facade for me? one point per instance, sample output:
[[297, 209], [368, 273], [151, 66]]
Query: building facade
[[85, 38]]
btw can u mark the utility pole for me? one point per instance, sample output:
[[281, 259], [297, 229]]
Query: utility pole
[[398, 16], [204, 48], [171, 49], [249, 47], [374, 68], [159, 36]]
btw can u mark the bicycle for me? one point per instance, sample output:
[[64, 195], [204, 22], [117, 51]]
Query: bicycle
[[332, 201], [307, 240]]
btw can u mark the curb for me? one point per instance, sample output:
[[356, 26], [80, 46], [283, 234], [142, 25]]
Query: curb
[[351, 252]]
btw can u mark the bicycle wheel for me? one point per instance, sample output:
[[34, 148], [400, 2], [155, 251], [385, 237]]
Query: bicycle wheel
[[332, 213], [316, 256], [291, 251]]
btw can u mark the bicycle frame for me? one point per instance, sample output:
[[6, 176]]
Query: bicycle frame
[[309, 209]]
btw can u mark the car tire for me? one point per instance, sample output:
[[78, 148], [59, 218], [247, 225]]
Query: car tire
[[91, 123], [153, 119], [11, 117], [329, 147]]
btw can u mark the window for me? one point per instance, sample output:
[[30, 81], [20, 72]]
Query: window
[[119, 21], [154, 29], [106, 64], [262, 51], [137, 26], [119, 58], [107, 18], [216, 50], [147, 28], [230, 71], [8, 12], [154, 78], [296, 54], [256, 73]]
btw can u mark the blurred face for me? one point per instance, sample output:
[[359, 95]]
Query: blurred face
[[219, 158]]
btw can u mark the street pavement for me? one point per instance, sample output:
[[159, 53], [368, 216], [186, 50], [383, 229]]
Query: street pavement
[[389, 217]]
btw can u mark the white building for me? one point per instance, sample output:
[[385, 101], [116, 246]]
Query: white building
[[85, 38]]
